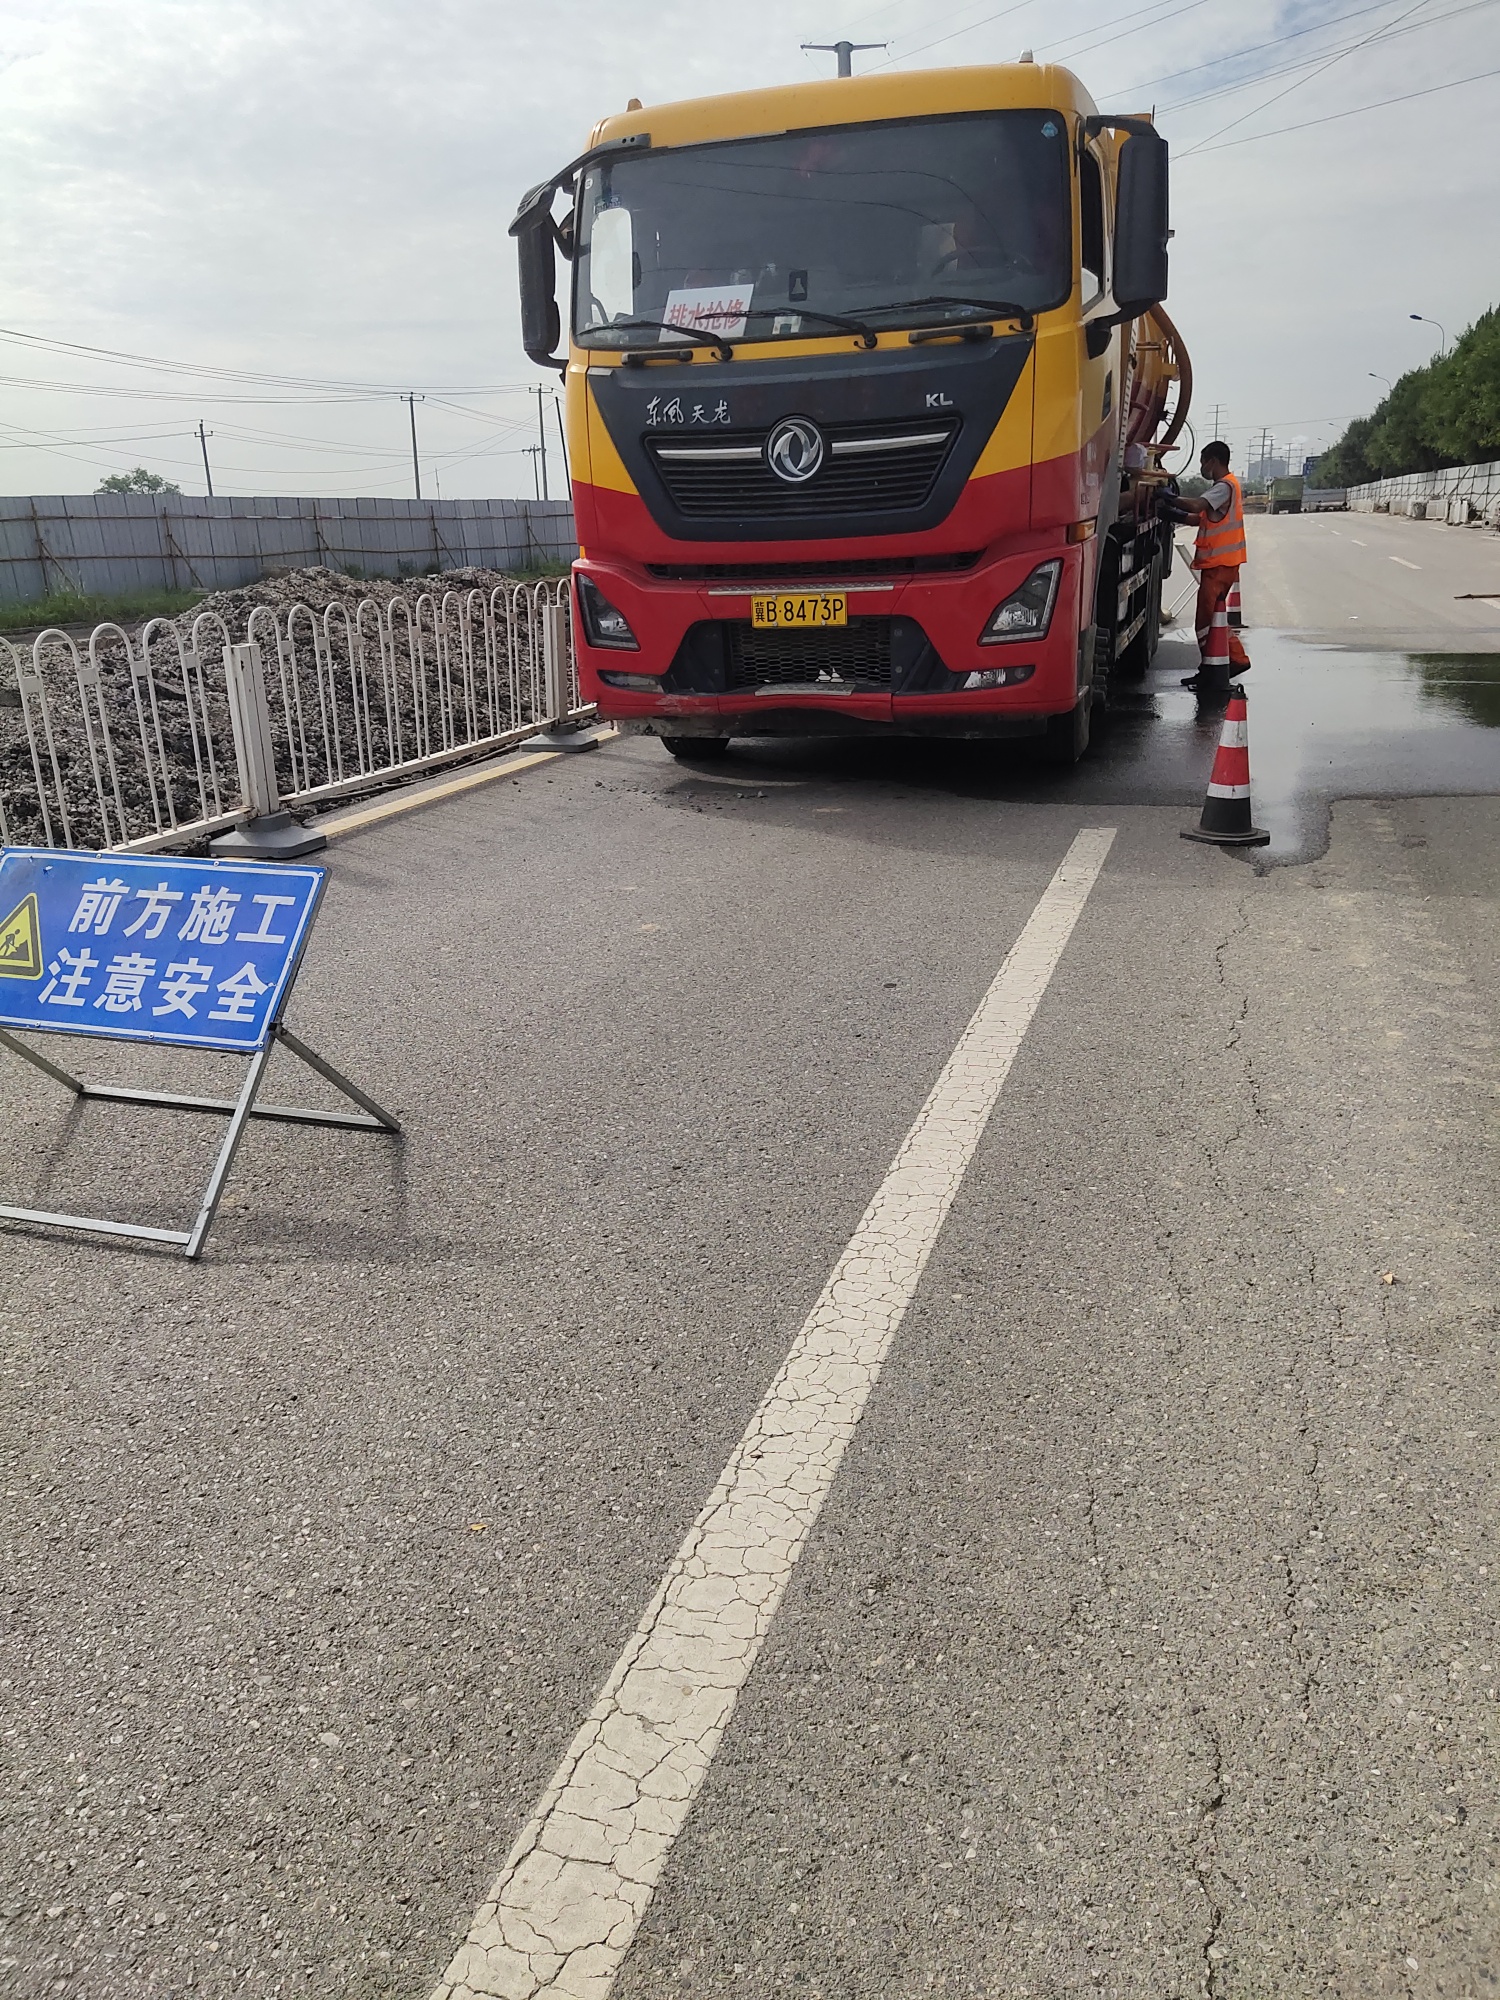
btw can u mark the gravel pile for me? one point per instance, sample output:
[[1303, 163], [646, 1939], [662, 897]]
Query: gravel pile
[[388, 715]]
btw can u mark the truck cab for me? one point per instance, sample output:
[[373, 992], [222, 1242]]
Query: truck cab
[[867, 388]]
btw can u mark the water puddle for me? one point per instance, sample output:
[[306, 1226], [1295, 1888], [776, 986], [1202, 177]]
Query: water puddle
[[1327, 722], [1330, 722]]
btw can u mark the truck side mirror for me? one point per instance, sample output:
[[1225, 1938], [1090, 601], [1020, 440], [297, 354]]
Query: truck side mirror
[[541, 323], [1141, 225]]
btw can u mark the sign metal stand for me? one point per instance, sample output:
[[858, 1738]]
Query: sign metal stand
[[250, 1009]]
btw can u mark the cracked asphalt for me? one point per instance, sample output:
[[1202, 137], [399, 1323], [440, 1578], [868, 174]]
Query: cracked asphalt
[[1147, 1641]]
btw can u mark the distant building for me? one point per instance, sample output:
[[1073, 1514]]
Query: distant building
[[1263, 470]]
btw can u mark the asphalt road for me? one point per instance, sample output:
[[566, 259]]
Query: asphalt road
[[1146, 1643], [1376, 579]]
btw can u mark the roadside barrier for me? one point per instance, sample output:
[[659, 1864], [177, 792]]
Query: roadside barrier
[[1460, 495], [1226, 820], [185, 730]]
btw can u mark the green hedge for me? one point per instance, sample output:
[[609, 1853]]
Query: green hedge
[[1447, 413]]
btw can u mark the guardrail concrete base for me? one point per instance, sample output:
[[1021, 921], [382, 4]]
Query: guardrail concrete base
[[560, 737], [274, 837]]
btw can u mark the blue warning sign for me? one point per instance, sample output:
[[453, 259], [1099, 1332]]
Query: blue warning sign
[[145, 948]]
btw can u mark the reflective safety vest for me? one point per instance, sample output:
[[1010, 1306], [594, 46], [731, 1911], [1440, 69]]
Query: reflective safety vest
[[1221, 544]]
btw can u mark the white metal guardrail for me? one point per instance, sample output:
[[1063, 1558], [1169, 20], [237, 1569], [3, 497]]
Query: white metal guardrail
[[142, 742]]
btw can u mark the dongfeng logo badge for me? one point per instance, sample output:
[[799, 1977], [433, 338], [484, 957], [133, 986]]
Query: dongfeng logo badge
[[794, 450]]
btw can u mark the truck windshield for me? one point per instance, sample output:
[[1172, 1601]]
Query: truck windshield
[[863, 221]]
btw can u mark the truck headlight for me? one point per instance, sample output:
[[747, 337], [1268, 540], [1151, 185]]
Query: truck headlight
[[603, 625], [1027, 612]]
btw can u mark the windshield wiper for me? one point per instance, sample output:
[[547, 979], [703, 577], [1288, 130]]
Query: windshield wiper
[[686, 337], [975, 308], [865, 333]]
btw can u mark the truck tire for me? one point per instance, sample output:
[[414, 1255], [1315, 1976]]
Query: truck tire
[[696, 749], [1067, 736]]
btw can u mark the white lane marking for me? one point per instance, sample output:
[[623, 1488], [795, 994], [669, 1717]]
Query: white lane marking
[[567, 1904], [1358, 543], [1403, 562]]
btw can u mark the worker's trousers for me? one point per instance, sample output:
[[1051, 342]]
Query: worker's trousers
[[1214, 586]]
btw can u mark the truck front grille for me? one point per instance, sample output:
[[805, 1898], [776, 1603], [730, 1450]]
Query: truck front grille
[[854, 655], [866, 469]]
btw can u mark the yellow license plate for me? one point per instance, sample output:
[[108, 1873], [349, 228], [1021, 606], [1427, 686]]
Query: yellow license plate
[[800, 611]]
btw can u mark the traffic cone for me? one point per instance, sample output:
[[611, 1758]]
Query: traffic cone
[[1232, 604], [1226, 809], [1214, 673]]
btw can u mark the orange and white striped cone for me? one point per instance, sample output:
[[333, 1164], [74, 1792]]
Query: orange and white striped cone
[[1232, 606], [1226, 810], [1214, 672]]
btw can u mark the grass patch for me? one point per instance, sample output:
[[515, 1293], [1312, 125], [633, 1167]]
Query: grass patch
[[71, 607]]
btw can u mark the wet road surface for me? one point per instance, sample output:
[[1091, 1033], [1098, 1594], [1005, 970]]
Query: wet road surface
[[1377, 580], [1145, 1644], [1327, 722]]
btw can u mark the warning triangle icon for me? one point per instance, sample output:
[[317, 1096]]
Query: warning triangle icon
[[21, 941]]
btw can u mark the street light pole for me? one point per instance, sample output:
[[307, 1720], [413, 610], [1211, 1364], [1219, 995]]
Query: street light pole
[[1378, 378], [1433, 322], [562, 438], [541, 431], [416, 464]]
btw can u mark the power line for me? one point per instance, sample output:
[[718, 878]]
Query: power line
[[1290, 69], [1258, 48], [1329, 118], [120, 357], [1152, 19], [923, 47], [122, 394], [1203, 144]]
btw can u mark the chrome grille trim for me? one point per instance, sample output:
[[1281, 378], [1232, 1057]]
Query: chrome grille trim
[[910, 442], [867, 469], [720, 453]]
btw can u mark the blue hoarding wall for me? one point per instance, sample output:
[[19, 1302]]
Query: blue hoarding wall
[[150, 949]]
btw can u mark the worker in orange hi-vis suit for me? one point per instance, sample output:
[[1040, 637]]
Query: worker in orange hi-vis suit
[[1220, 553]]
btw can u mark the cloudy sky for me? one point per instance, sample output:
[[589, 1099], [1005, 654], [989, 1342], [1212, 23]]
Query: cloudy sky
[[318, 191]]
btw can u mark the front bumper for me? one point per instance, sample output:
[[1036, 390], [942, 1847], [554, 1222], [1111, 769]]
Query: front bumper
[[899, 666]]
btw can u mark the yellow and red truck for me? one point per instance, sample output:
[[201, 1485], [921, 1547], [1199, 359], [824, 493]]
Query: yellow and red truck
[[867, 387]]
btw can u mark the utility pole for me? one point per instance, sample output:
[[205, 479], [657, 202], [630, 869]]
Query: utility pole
[[416, 465], [541, 431], [1218, 417], [562, 438], [531, 452], [845, 51], [203, 438]]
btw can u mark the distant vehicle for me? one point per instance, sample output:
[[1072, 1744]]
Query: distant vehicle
[[868, 386], [1325, 499], [1286, 494]]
